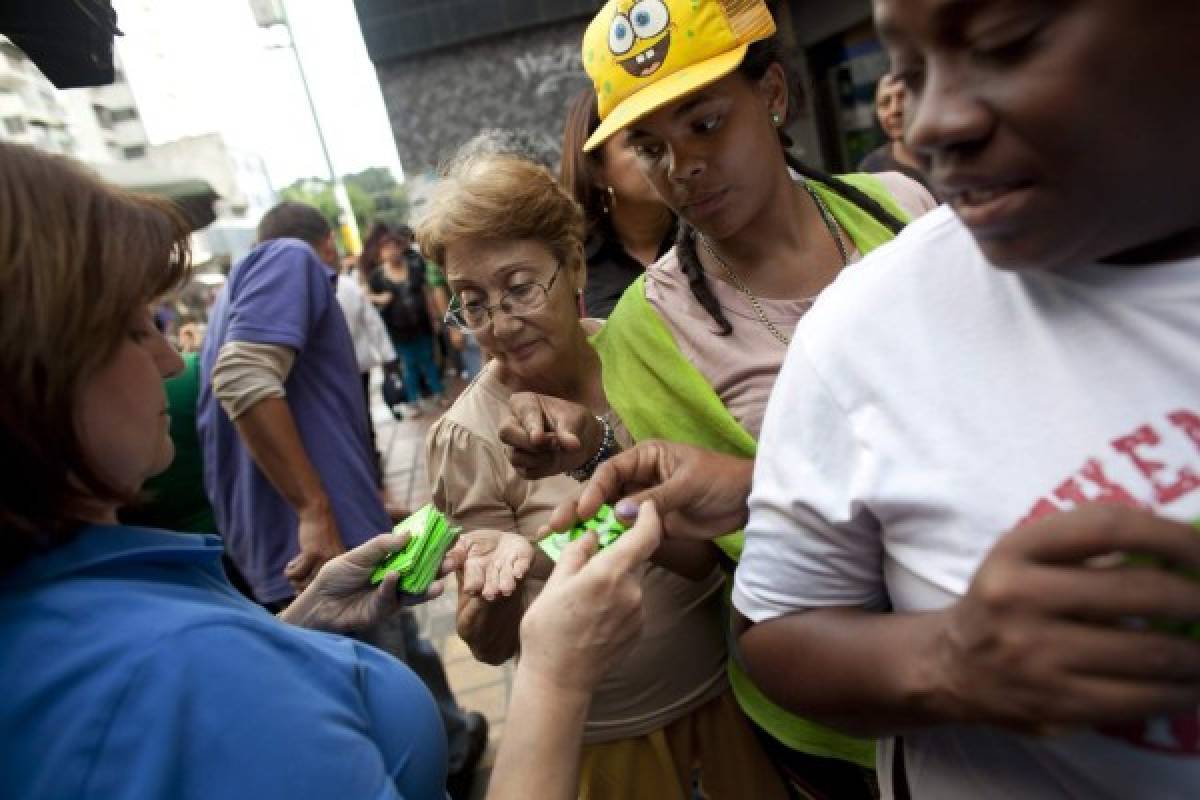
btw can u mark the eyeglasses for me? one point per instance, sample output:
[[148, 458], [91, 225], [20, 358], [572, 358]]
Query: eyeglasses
[[517, 301]]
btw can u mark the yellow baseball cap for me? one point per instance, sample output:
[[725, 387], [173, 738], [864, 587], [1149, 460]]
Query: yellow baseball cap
[[643, 54]]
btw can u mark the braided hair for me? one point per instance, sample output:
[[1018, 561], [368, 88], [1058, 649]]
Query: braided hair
[[759, 58]]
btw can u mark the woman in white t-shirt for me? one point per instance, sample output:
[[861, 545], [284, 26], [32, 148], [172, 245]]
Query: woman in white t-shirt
[[1023, 361]]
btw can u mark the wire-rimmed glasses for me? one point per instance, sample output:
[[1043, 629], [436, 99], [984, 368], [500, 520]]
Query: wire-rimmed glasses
[[517, 300]]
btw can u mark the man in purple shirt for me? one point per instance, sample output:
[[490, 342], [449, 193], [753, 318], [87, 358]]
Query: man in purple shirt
[[282, 423], [281, 418]]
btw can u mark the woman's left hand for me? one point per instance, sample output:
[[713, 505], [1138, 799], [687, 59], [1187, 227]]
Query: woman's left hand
[[341, 598]]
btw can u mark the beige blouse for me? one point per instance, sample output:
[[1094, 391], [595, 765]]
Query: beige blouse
[[679, 662], [742, 367]]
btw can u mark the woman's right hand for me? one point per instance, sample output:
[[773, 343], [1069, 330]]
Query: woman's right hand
[[1046, 639], [548, 435], [491, 564]]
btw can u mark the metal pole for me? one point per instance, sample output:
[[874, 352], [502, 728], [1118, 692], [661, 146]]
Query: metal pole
[[348, 224]]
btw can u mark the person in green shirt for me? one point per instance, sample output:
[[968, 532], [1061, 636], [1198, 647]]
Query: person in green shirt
[[175, 500]]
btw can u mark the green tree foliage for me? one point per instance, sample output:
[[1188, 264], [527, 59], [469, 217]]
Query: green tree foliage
[[374, 195]]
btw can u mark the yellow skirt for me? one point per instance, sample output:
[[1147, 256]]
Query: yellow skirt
[[713, 748]]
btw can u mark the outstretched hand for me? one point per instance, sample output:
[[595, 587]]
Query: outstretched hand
[[492, 563], [700, 494], [341, 598]]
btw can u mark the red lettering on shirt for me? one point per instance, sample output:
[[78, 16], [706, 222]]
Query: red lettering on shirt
[[1041, 508], [1110, 490], [1187, 422], [1164, 493], [1092, 482]]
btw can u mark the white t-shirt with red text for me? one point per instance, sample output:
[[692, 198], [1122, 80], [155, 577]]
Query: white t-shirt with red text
[[929, 403]]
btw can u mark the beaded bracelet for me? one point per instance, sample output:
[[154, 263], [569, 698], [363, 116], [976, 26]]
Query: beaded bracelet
[[608, 446]]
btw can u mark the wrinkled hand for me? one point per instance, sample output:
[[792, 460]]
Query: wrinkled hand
[[319, 540], [1043, 640], [548, 435], [341, 598], [590, 612], [492, 563], [699, 493]]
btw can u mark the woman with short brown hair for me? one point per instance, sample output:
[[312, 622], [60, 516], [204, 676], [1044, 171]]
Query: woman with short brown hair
[[77, 262]]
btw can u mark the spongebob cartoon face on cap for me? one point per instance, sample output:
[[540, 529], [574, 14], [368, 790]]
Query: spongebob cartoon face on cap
[[642, 54], [640, 36]]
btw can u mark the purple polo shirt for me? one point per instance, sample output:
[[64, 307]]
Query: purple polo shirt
[[282, 294]]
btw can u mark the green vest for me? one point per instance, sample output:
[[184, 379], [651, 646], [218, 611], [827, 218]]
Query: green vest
[[659, 394]]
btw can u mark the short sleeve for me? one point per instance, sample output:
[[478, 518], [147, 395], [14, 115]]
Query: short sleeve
[[470, 478], [810, 541], [911, 196], [279, 296], [232, 712]]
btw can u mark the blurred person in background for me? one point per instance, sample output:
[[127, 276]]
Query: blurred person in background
[[628, 225], [400, 290], [191, 337], [372, 348], [891, 100]]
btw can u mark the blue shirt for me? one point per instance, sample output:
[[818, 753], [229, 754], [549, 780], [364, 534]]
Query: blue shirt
[[282, 294], [132, 669]]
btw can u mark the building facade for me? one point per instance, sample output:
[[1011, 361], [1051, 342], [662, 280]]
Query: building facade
[[450, 68], [239, 176], [99, 124]]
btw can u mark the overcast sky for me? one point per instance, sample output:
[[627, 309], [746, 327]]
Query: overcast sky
[[198, 66]]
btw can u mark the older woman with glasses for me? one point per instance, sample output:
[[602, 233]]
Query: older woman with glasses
[[511, 241]]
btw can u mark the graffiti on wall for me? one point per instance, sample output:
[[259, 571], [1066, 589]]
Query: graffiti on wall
[[547, 69], [521, 81]]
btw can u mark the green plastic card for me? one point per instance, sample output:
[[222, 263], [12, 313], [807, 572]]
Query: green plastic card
[[430, 536], [605, 524], [1181, 628]]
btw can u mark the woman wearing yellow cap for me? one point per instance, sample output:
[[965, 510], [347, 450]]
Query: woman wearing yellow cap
[[691, 352]]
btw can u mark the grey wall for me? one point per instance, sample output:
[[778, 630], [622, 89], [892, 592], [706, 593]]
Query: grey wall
[[404, 28], [524, 80]]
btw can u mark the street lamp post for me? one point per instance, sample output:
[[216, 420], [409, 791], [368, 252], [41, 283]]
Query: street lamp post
[[268, 14]]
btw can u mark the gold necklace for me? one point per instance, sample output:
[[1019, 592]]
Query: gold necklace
[[830, 224], [744, 289]]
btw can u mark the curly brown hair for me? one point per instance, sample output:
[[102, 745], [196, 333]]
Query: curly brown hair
[[77, 258]]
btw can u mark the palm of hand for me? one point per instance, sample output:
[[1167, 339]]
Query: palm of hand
[[494, 562]]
